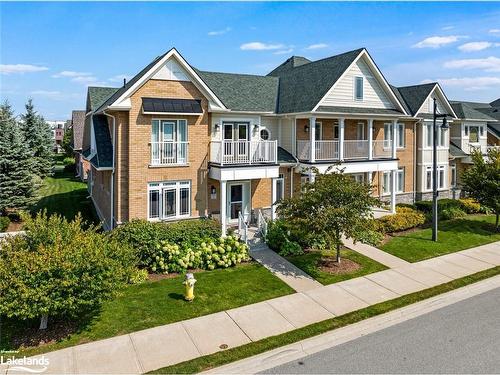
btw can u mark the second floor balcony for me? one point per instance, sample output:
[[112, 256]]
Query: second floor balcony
[[333, 150], [169, 153], [242, 152]]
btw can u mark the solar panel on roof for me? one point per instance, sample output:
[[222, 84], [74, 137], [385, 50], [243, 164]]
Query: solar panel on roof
[[170, 105]]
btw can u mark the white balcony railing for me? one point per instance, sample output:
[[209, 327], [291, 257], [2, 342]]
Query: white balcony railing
[[243, 152], [353, 150], [483, 148], [169, 153]]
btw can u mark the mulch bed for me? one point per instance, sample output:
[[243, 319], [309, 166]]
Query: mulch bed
[[34, 337], [329, 265]]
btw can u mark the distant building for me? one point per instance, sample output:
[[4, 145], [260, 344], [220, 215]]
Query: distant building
[[77, 123], [58, 128]]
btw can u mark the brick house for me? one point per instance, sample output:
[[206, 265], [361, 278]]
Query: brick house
[[176, 143], [77, 125]]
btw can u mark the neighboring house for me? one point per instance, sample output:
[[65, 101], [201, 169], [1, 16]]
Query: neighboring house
[[78, 124], [475, 129], [176, 142], [57, 128]]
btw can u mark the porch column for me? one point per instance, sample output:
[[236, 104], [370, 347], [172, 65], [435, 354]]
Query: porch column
[[223, 208], [393, 140], [393, 191], [312, 138], [312, 176], [341, 138], [370, 139], [273, 199]]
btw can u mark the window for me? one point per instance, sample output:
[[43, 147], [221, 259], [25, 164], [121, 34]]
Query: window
[[169, 200], [441, 177], [358, 88], [386, 183], [319, 131], [359, 178], [169, 142], [360, 131], [336, 131], [387, 135], [264, 134], [400, 135], [400, 180], [453, 175], [441, 135], [280, 188], [473, 134], [441, 174]]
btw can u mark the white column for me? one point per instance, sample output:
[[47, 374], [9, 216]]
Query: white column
[[223, 209], [341, 138], [273, 199], [393, 136], [294, 136], [393, 191], [312, 176], [370, 139], [312, 138]]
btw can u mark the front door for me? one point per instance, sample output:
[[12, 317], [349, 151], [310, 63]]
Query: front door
[[238, 200]]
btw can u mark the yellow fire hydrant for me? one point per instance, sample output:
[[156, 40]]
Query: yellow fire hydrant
[[189, 282]]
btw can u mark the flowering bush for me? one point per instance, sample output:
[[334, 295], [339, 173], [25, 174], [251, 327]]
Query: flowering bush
[[211, 254], [404, 218], [470, 206]]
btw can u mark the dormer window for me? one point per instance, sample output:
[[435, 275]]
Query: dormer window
[[358, 88]]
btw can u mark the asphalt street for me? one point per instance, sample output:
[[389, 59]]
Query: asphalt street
[[460, 338]]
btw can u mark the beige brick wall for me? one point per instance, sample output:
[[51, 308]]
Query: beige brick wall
[[261, 192], [101, 193]]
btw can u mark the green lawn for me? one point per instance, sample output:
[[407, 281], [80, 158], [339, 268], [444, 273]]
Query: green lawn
[[453, 235], [161, 302], [308, 263], [65, 195]]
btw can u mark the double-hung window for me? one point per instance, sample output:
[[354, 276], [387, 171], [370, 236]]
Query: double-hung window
[[441, 136], [358, 88], [400, 180], [387, 134], [428, 178], [441, 177], [453, 175], [280, 188], [169, 143], [386, 183], [169, 200], [400, 135]]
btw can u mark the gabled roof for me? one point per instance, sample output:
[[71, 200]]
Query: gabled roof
[[104, 148], [456, 151], [494, 129], [414, 96], [495, 103], [289, 64], [466, 112], [98, 95], [284, 157], [77, 124], [302, 87], [243, 92]]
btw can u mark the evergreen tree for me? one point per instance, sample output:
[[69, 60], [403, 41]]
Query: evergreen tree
[[38, 136], [17, 183]]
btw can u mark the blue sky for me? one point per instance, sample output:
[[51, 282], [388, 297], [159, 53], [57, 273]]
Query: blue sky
[[53, 51]]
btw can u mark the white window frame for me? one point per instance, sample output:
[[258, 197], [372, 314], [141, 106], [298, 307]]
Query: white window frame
[[179, 157], [162, 187], [318, 125], [386, 183], [453, 170], [387, 135], [428, 178], [359, 177], [360, 126], [280, 179], [441, 140], [400, 129], [441, 175], [355, 91], [400, 178]]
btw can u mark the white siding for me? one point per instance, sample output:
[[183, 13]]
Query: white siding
[[428, 106], [271, 124], [287, 125], [342, 94], [171, 71], [220, 118]]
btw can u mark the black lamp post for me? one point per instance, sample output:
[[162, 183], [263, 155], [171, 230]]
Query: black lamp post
[[434, 169]]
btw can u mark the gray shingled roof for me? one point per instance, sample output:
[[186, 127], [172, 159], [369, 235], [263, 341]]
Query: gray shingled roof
[[104, 147], [77, 124], [284, 157], [414, 96], [289, 64], [302, 87], [495, 103], [456, 151], [494, 129], [465, 111], [243, 92], [98, 95], [381, 111]]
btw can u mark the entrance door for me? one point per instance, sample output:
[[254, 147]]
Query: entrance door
[[238, 200], [241, 137]]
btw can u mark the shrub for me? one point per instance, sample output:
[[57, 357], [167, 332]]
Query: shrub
[[138, 276], [406, 205], [59, 269], [221, 253], [404, 218], [69, 164], [451, 213], [277, 234], [290, 248], [470, 206], [4, 223], [145, 236], [426, 206]]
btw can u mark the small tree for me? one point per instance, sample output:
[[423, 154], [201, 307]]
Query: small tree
[[481, 181], [38, 137], [59, 269], [67, 142], [17, 185], [333, 206]]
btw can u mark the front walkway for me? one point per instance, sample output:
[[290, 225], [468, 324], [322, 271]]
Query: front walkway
[[166, 345], [378, 255]]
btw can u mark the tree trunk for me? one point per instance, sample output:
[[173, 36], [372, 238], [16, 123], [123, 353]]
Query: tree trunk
[[338, 253], [43, 321]]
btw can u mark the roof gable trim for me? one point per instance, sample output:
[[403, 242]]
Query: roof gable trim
[[443, 96]]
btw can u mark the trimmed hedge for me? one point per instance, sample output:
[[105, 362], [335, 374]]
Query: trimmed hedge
[[426, 206], [405, 218]]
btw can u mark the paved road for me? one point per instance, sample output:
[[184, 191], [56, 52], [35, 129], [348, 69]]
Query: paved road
[[460, 338]]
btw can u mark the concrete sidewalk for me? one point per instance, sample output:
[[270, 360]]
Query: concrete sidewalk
[[378, 255], [162, 346]]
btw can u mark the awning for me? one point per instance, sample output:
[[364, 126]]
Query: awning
[[171, 106]]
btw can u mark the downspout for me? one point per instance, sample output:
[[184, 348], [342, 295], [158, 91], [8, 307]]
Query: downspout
[[113, 140]]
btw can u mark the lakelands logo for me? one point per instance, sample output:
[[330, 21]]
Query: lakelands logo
[[32, 365]]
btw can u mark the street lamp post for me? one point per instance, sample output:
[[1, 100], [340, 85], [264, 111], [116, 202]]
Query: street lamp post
[[434, 169]]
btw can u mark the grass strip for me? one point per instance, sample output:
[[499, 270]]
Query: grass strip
[[234, 354]]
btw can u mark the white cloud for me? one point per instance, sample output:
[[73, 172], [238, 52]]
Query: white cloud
[[86, 80], [469, 83], [448, 27], [21, 68], [120, 77], [437, 41], [317, 46], [489, 64], [70, 73], [476, 46], [259, 46], [219, 32], [284, 51], [494, 31]]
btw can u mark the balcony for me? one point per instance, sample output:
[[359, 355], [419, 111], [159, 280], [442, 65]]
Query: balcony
[[352, 150], [243, 152], [483, 148], [169, 153]]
